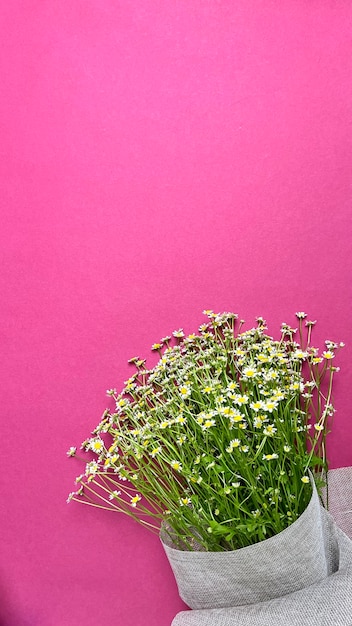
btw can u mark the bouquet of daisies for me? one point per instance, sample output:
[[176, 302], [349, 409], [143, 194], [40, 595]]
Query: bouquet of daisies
[[216, 443], [221, 448]]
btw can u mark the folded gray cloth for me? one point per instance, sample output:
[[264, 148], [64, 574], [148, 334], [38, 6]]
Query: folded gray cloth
[[300, 577]]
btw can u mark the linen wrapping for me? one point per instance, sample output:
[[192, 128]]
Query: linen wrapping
[[300, 577]]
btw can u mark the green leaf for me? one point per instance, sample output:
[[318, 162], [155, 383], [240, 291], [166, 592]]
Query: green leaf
[[317, 461]]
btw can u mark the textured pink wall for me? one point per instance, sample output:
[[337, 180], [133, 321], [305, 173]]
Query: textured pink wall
[[157, 158]]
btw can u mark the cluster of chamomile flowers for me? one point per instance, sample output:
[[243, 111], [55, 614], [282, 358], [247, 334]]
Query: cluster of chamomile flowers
[[227, 426]]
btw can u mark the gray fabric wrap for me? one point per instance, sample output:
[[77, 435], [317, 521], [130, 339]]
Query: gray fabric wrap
[[300, 577]]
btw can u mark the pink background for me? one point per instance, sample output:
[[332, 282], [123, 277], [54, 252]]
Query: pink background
[[157, 158]]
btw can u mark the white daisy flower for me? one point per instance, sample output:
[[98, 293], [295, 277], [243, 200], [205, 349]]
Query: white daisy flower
[[234, 443], [176, 465], [258, 405], [135, 499], [114, 494], [249, 372], [269, 430]]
